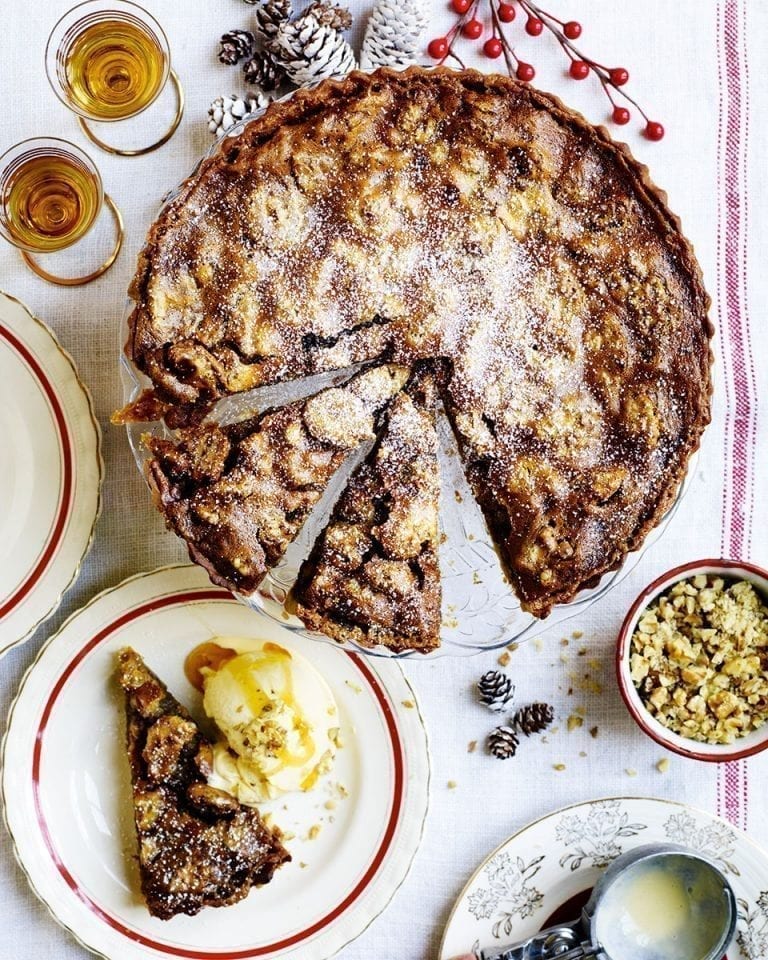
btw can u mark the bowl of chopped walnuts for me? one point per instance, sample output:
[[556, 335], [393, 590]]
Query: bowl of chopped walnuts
[[692, 660]]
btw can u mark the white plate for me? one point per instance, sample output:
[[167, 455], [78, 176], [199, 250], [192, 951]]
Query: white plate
[[518, 888], [66, 790], [50, 472]]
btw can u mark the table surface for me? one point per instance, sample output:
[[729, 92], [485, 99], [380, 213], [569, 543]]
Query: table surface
[[696, 66]]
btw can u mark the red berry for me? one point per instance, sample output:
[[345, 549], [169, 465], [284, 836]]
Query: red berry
[[572, 30], [620, 115], [619, 76], [653, 130], [493, 47], [534, 26], [472, 29], [506, 12], [438, 48], [461, 6], [525, 72], [579, 69]]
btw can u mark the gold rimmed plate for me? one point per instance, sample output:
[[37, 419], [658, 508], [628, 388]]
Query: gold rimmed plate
[[51, 472]]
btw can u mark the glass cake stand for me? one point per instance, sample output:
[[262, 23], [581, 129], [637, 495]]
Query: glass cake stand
[[480, 611]]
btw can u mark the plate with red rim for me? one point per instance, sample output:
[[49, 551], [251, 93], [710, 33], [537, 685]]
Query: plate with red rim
[[543, 874], [51, 475], [730, 570], [66, 787]]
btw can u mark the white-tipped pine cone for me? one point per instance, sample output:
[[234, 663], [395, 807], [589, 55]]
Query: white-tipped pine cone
[[270, 15], [393, 33], [225, 112], [311, 51]]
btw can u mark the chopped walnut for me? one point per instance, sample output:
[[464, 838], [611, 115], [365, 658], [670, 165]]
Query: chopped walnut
[[699, 659]]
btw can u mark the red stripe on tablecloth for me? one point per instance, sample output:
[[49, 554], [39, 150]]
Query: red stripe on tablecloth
[[734, 322]]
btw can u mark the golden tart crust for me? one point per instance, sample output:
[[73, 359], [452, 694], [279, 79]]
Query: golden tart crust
[[453, 215]]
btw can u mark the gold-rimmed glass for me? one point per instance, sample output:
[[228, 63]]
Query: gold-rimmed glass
[[50, 197], [109, 63]]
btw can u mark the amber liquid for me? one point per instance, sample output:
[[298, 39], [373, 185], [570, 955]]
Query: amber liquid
[[49, 201], [114, 69]]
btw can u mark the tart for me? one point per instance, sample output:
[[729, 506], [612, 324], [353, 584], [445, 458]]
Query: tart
[[239, 494], [373, 575], [198, 846], [470, 219]]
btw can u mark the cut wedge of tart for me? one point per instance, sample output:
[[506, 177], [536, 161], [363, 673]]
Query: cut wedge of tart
[[373, 576], [239, 494], [198, 846]]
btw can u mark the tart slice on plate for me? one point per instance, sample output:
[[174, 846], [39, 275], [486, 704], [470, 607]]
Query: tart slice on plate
[[239, 494], [198, 846], [373, 576]]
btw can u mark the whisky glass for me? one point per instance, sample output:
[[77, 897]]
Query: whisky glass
[[109, 63], [51, 195]]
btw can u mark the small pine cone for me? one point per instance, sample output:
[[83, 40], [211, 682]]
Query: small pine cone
[[392, 34], [310, 51], [495, 690], [263, 70], [270, 15], [225, 112], [235, 46], [502, 742], [534, 718], [330, 15]]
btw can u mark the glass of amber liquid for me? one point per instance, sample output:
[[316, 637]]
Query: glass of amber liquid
[[108, 63], [50, 196]]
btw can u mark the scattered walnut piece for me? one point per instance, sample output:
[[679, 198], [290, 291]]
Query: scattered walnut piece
[[504, 659], [699, 659], [538, 644], [314, 830], [631, 772], [558, 766], [451, 784], [663, 765], [574, 721], [512, 647], [408, 704], [472, 746], [593, 732], [577, 634]]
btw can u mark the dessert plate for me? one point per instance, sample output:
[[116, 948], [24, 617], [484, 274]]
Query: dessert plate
[[354, 835], [51, 472], [545, 868]]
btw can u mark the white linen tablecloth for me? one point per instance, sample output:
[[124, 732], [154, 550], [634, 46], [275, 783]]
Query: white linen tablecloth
[[697, 66]]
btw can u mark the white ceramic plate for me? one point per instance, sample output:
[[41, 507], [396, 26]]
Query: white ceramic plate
[[50, 472], [66, 789], [535, 873]]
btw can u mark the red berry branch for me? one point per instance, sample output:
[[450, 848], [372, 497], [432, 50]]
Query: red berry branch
[[612, 79]]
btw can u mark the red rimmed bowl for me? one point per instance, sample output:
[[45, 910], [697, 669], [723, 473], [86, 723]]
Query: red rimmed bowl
[[745, 746]]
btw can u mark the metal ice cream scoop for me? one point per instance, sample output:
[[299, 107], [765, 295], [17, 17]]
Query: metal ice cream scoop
[[657, 902]]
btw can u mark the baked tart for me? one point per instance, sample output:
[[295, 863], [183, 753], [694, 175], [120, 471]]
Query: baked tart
[[198, 846], [239, 494], [470, 219], [373, 575]]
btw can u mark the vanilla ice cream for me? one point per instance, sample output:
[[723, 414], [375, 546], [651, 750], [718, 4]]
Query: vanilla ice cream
[[279, 719]]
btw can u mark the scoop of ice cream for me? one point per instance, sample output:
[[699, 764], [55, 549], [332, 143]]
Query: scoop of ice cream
[[279, 719]]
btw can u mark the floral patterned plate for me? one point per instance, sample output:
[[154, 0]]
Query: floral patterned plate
[[524, 883]]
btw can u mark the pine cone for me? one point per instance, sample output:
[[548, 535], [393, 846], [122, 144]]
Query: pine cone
[[225, 112], [502, 742], [392, 34], [310, 51], [330, 15], [533, 718], [270, 16], [235, 46], [263, 70], [495, 690]]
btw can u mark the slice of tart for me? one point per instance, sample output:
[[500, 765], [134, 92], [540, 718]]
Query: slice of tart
[[198, 846], [239, 494], [373, 576]]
